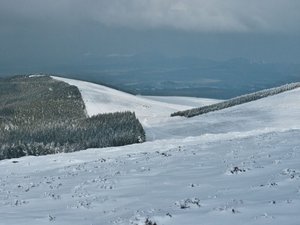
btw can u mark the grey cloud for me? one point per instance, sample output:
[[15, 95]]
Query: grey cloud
[[203, 15], [73, 32], [191, 15]]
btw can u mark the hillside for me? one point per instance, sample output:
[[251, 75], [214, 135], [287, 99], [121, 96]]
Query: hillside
[[102, 99], [150, 111], [264, 115], [239, 165]]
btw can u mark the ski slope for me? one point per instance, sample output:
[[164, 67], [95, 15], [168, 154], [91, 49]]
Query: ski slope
[[235, 166]]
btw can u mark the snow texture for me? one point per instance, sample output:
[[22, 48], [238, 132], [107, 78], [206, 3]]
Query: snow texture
[[235, 166]]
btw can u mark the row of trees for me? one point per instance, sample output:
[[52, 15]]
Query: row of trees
[[114, 129], [237, 101]]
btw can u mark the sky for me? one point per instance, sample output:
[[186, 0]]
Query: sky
[[72, 32]]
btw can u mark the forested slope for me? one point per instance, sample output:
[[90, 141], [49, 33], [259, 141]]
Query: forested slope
[[40, 115]]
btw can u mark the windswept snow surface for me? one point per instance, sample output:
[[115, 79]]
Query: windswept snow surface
[[236, 166]]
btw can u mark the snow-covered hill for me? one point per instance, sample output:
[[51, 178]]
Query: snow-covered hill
[[149, 110], [235, 166], [237, 100], [101, 99]]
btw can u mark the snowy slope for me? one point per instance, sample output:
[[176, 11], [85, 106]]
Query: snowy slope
[[236, 166], [265, 115], [101, 99], [149, 110]]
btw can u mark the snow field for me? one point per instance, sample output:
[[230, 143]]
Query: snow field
[[235, 166], [175, 183]]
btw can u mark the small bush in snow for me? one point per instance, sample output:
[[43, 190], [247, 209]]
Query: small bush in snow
[[149, 222]]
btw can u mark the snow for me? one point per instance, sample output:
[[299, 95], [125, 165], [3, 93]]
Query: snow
[[36, 75], [235, 166], [270, 114], [101, 99]]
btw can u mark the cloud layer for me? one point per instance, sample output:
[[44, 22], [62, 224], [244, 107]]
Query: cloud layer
[[202, 15], [189, 15]]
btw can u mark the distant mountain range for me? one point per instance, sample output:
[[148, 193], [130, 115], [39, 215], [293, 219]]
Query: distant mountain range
[[184, 76]]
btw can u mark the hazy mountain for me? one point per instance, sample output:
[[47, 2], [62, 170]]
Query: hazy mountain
[[182, 76]]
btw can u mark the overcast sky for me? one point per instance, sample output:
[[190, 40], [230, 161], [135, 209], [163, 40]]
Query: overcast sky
[[71, 31]]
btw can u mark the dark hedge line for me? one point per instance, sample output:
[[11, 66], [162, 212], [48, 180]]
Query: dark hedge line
[[237, 101], [114, 129]]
